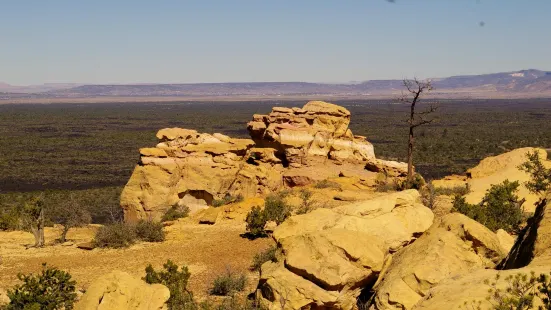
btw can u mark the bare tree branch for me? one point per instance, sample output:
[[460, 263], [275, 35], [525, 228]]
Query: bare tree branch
[[415, 90]]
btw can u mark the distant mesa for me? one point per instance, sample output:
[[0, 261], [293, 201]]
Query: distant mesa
[[523, 83]]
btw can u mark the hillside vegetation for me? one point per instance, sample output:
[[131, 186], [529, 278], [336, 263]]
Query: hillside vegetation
[[92, 148]]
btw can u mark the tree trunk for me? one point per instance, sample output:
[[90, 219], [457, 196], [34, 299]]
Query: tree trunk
[[38, 230], [64, 232], [410, 158]]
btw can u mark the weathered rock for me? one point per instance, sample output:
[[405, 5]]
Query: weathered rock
[[531, 253], [453, 246], [119, 290], [319, 129], [193, 169], [507, 241], [292, 147], [86, 246], [209, 216], [348, 195], [386, 167], [331, 254]]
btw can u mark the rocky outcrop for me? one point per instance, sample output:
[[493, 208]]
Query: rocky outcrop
[[330, 255], [291, 147], [530, 254], [494, 170], [192, 169], [119, 290], [319, 130], [453, 246]]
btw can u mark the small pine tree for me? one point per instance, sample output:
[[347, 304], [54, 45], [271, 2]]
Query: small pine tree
[[256, 220], [500, 207], [540, 177], [276, 209]]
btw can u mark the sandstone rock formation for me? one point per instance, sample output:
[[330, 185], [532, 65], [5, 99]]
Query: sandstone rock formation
[[531, 253], [495, 170], [319, 129], [192, 169], [329, 255], [454, 245], [291, 147], [119, 290]]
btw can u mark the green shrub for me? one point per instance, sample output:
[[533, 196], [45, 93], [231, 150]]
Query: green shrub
[[150, 231], [500, 207], [256, 220], [476, 212], [428, 196], [327, 184], [417, 183], [228, 284], [176, 281], [227, 200], [452, 191], [276, 209], [520, 292], [174, 213], [118, 235], [265, 256], [51, 289], [307, 203], [10, 219], [540, 177]]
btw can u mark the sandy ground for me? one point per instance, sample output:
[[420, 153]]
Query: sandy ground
[[206, 250]]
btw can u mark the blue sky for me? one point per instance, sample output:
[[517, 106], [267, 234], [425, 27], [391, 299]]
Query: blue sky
[[139, 41]]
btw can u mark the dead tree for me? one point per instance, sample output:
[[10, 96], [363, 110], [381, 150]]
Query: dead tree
[[415, 90]]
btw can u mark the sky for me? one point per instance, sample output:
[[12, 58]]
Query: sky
[[193, 41]]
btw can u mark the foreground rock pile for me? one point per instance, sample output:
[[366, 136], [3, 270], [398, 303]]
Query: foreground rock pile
[[531, 253], [329, 256], [290, 147], [454, 245]]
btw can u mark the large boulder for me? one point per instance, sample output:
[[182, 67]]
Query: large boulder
[[119, 290], [454, 245], [530, 254], [330, 255]]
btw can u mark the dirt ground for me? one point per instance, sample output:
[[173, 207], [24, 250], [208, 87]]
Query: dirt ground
[[206, 250]]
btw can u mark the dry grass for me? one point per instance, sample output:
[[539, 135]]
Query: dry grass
[[207, 250]]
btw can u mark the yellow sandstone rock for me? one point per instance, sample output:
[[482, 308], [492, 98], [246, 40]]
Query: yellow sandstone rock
[[119, 290]]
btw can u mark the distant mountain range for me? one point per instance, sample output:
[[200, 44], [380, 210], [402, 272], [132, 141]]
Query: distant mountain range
[[524, 83]]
